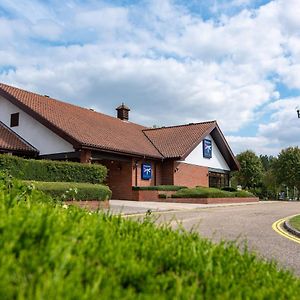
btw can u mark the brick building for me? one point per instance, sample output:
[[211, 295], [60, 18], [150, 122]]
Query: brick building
[[190, 155]]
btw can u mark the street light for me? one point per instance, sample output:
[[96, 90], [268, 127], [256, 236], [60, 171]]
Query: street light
[[298, 111]]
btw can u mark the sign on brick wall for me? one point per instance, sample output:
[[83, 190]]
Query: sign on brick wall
[[146, 171]]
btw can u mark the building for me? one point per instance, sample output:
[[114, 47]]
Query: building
[[190, 155]]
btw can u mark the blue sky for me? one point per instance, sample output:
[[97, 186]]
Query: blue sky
[[171, 61]]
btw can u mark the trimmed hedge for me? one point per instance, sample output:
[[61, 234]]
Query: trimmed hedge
[[73, 190], [158, 188], [52, 171], [229, 189], [204, 192]]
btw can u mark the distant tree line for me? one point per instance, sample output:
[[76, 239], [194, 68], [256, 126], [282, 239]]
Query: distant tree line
[[270, 177]]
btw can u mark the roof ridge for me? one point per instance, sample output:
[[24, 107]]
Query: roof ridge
[[180, 125]]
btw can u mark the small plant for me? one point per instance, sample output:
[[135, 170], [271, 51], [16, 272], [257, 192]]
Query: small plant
[[70, 194]]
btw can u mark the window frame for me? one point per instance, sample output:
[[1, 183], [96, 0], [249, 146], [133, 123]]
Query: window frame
[[15, 119]]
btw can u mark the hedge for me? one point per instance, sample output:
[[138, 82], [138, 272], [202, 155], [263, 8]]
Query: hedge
[[50, 252], [72, 190], [158, 188], [204, 192], [52, 171]]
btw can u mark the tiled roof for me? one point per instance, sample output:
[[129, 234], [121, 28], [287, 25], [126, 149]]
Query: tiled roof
[[177, 141], [83, 126], [12, 142], [86, 128]]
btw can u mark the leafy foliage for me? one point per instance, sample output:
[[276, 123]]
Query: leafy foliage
[[287, 167], [46, 170], [49, 252], [73, 190], [251, 172], [204, 192]]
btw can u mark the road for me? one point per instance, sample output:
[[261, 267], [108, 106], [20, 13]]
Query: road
[[251, 223]]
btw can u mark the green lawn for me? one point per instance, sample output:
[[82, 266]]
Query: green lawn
[[295, 222], [49, 251]]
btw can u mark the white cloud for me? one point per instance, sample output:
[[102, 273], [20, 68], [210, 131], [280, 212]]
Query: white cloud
[[169, 65]]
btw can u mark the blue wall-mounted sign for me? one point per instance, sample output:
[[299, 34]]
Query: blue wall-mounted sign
[[207, 148], [146, 171]]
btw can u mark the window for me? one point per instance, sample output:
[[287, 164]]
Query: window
[[14, 120], [218, 180]]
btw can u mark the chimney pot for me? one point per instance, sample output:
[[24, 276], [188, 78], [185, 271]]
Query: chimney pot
[[123, 112]]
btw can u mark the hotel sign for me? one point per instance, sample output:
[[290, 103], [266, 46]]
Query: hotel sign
[[146, 171], [207, 148]]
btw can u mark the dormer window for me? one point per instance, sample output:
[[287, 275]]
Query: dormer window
[[14, 120]]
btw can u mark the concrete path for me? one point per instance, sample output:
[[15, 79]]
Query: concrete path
[[251, 223], [136, 207]]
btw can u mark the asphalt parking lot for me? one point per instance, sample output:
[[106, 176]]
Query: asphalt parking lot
[[251, 223]]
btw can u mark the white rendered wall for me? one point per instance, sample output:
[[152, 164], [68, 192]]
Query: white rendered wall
[[217, 161], [42, 138]]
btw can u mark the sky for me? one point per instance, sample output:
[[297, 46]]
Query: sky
[[170, 61]]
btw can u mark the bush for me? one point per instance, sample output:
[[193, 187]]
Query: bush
[[162, 196], [48, 170], [229, 189], [205, 192], [49, 252], [158, 188], [73, 190]]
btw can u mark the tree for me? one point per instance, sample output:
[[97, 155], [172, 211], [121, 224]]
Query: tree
[[251, 172], [267, 161], [287, 167]]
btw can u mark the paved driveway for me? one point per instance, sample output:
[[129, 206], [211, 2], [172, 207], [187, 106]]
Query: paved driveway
[[246, 222]]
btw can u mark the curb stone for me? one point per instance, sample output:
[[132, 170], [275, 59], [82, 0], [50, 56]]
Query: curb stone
[[290, 229]]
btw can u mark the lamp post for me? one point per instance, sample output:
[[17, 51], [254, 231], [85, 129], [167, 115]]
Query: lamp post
[[298, 112]]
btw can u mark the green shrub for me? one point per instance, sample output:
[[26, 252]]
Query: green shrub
[[73, 190], [48, 170], [243, 194], [205, 192], [158, 188], [229, 189], [49, 252], [163, 196]]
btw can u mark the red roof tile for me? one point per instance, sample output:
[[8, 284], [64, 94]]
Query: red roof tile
[[83, 126], [178, 141], [10, 141]]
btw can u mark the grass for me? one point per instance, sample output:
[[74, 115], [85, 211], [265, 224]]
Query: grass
[[50, 252], [295, 222], [205, 192], [73, 190]]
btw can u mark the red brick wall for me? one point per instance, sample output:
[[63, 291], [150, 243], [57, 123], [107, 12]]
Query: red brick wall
[[137, 178], [190, 175], [119, 178]]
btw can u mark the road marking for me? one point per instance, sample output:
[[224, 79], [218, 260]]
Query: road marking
[[278, 227]]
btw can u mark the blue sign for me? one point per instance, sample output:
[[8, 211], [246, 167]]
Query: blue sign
[[207, 148], [146, 171]]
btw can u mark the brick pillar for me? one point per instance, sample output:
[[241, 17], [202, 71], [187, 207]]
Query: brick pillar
[[85, 156]]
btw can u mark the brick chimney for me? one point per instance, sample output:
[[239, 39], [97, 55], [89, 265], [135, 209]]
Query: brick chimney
[[123, 112]]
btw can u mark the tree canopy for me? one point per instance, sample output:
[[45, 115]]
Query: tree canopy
[[251, 172]]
